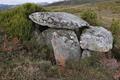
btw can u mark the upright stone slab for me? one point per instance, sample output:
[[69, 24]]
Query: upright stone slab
[[66, 47], [47, 35]]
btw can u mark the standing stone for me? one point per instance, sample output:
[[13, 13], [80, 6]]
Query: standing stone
[[37, 35], [96, 39], [47, 35], [66, 47]]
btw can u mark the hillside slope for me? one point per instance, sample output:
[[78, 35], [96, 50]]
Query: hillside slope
[[23, 58], [107, 11], [3, 6], [75, 2]]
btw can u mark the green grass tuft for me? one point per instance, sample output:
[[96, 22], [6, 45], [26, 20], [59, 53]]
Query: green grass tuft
[[90, 16], [115, 28]]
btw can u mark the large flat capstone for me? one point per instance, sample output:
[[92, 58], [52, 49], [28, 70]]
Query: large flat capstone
[[58, 20]]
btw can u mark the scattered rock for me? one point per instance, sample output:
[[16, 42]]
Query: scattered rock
[[58, 20], [85, 54], [96, 39], [66, 47]]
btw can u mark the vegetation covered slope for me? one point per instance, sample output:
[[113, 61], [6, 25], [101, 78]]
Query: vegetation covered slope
[[75, 2], [15, 21], [30, 61]]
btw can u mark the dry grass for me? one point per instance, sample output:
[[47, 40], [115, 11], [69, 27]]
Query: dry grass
[[27, 69]]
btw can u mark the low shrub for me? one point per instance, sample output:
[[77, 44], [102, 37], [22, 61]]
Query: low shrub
[[90, 16], [15, 21], [115, 28]]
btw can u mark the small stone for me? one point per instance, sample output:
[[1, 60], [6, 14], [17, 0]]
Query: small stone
[[86, 54]]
